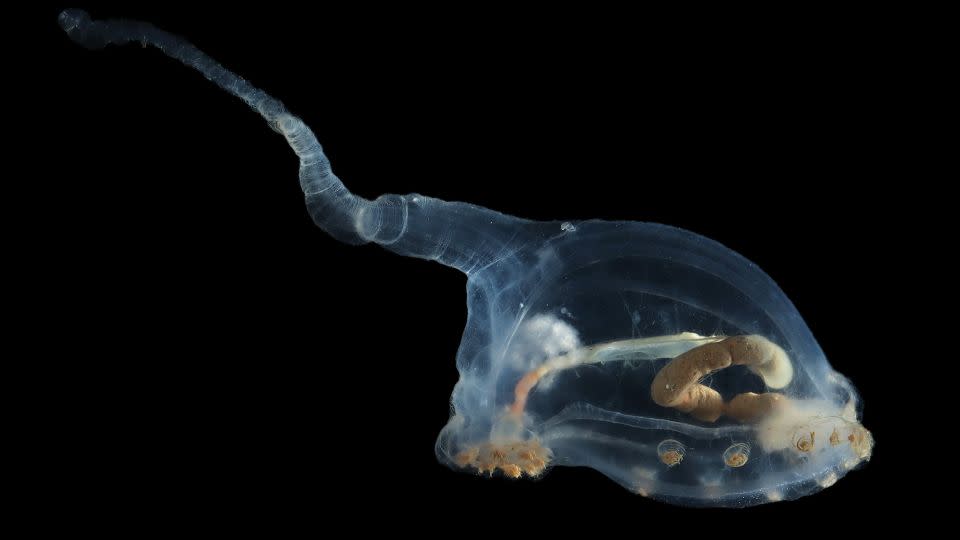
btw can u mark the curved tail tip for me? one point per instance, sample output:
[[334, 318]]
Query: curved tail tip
[[72, 19]]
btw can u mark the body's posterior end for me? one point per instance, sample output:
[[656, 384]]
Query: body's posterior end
[[76, 23], [70, 19]]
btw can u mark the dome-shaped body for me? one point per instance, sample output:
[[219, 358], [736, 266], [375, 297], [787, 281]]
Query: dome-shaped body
[[660, 358], [567, 338]]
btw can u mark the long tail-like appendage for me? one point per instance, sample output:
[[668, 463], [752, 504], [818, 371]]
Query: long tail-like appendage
[[461, 235], [316, 177]]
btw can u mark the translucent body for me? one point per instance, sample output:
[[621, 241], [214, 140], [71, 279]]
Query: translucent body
[[604, 282], [656, 356]]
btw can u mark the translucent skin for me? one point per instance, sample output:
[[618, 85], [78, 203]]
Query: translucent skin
[[604, 282], [656, 356]]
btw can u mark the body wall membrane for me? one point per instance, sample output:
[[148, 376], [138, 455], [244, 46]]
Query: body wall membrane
[[585, 295]]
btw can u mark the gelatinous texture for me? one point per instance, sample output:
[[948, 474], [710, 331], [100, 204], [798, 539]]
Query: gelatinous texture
[[656, 356]]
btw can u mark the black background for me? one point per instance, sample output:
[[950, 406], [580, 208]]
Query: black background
[[233, 361]]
